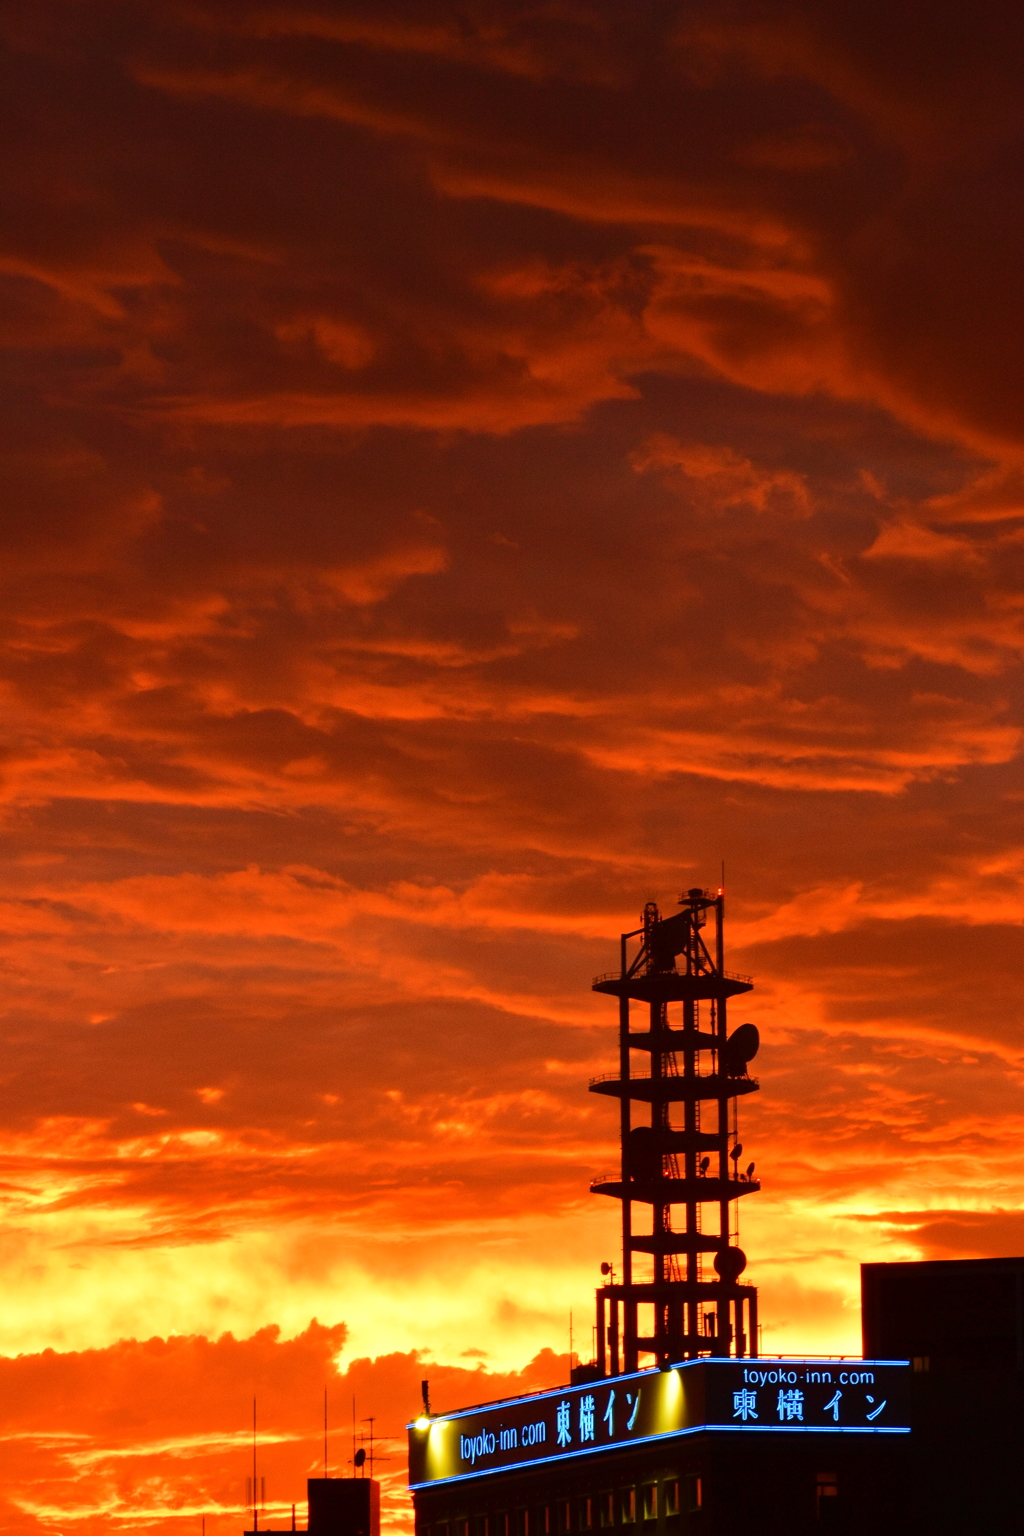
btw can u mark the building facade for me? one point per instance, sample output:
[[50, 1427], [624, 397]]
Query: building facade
[[961, 1324]]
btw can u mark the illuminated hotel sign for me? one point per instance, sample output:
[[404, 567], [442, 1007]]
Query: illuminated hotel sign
[[751, 1396]]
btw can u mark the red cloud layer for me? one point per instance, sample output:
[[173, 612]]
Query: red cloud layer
[[144, 1433], [466, 477]]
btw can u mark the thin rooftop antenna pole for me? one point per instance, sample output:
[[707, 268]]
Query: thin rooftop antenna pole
[[255, 1493], [370, 1422], [373, 1456], [353, 1435], [326, 1473]]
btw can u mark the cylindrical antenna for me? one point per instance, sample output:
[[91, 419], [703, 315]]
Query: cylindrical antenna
[[326, 1474], [255, 1512]]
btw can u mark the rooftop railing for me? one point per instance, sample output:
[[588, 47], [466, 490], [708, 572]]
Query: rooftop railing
[[725, 975], [645, 1077]]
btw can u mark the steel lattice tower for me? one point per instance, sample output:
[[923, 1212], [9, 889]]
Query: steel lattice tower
[[695, 1064]]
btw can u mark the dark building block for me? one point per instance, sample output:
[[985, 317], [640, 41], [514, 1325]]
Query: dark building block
[[954, 1313], [961, 1323], [344, 1506]]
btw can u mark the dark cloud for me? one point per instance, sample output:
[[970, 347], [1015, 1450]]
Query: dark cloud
[[958, 1234]]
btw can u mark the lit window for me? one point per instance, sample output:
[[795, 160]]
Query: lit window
[[696, 1490], [672, 1498], [586, 1514], [651, 1501], [628, 1505], [828, 1488]]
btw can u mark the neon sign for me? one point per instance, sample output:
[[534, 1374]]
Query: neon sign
[[745, 1396]]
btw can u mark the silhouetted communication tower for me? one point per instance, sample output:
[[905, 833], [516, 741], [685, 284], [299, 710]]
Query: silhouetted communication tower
[[693, 1163]]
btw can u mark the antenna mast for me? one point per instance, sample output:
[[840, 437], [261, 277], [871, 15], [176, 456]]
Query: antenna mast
[[255, 1492], [668, 1163]]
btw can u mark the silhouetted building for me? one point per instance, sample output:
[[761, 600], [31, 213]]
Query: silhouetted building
[[961, 1323], [710, 1438], [338, 1506], [946, 1314]]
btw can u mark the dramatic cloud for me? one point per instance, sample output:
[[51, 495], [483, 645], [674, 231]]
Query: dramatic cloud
[[467, 472], [156, 1433]]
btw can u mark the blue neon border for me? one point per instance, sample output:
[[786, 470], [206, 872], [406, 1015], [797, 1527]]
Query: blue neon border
[[669, 1434]]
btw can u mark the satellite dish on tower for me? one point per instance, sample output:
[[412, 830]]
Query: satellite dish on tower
[[730, 1263], [741, 1047], [643, 1155]]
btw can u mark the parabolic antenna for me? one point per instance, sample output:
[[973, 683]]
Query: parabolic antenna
[[730, 1263], [742, 1046], [642, 1153]]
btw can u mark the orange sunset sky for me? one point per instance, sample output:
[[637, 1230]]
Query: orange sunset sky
[[470, 469]]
